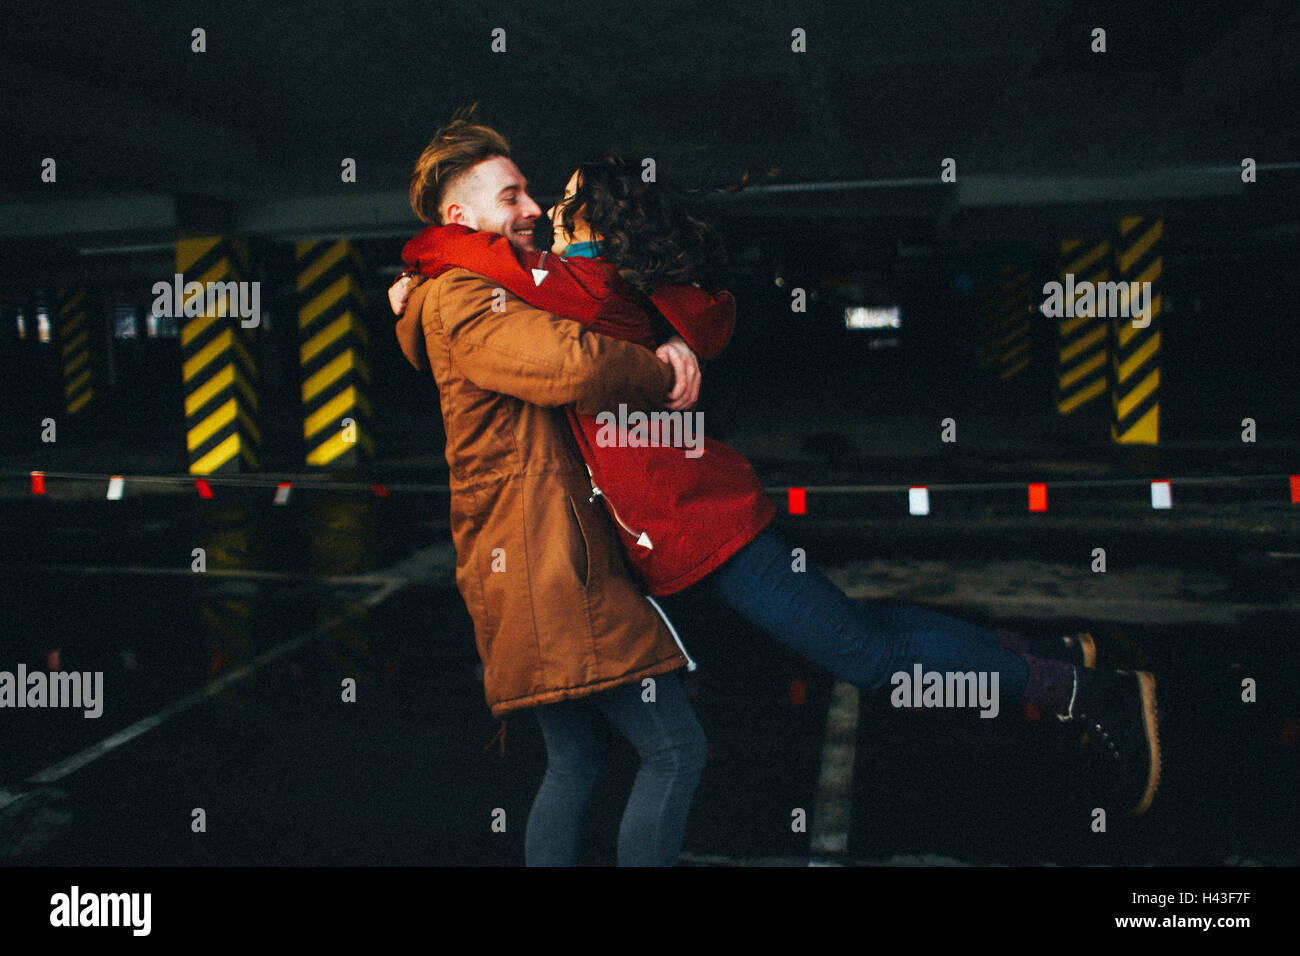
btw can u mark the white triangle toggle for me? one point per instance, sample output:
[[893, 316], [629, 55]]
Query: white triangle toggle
[[644, 541], [539, 275]]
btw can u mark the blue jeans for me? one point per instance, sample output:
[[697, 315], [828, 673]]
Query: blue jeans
[[858, 643], [673, 750]]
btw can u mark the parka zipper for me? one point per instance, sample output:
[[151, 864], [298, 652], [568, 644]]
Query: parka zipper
[[690, 664], [644, 540]]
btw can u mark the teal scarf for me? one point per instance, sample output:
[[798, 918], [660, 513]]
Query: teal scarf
[[581, 250]]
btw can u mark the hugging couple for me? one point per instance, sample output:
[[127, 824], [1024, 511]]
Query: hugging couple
[[564, 538]]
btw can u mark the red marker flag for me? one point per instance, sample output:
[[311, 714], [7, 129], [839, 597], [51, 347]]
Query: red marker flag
[[1037, 496], [798, 692]]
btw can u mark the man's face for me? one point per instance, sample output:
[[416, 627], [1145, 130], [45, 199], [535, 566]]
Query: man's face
[[493, 196]]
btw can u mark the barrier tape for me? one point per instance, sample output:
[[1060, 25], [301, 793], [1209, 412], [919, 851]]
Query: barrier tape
[[204, 486], [796, 496], [918, 496]]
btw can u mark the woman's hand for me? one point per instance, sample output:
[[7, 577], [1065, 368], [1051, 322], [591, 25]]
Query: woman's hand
[[686, 369], [400, 290]]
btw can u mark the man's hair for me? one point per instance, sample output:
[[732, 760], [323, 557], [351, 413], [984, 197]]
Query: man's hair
[[454, 150]]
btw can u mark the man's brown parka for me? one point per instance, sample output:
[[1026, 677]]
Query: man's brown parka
[[556, 611]]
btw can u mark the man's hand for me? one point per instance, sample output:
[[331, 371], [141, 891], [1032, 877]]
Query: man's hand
[[686, 370], [400, 290]]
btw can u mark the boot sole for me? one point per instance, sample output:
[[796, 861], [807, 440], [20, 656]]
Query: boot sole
[[1151, 724]]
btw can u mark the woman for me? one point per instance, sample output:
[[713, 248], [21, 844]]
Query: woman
[[628, 249]]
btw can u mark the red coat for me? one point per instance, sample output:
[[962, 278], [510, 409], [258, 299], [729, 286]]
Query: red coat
[[680, 516]]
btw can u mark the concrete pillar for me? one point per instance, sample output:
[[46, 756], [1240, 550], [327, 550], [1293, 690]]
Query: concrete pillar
[[1082, 340], [335, 377], [220, 377], [1135, 348], [80, 336]]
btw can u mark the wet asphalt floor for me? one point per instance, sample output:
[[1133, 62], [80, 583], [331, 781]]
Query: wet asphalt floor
[[222, 691]]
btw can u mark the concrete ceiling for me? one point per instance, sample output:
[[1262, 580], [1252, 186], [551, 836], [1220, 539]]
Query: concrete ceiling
[[152, 139]]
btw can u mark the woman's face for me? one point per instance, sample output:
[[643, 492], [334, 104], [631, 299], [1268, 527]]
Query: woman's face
[[580, 231]]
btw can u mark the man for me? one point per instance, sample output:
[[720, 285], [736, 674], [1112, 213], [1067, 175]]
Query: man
[[521, 520], [560, 624]]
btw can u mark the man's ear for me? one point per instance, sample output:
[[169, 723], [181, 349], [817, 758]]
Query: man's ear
[[458, 214]]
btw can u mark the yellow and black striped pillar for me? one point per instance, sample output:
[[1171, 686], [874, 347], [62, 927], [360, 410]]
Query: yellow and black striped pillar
[[985, 323], [1082, 342], [335, 377], [79, 339], [1135, 349], [1010, 330], [217, 362]]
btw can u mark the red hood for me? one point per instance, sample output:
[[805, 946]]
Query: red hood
[[432, 248], [580, 290], [704, 319]]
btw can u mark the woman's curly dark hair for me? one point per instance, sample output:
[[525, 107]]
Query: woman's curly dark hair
[[649, 232]]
